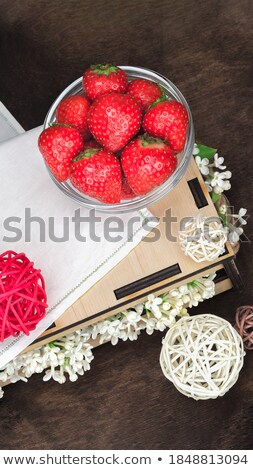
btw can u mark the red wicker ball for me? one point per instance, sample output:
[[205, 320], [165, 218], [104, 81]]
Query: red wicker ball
[[22, 295], [244, 324]]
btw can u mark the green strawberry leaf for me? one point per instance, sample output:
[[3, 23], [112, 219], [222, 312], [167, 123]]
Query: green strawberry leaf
[[206, 152], [104, 69], [215, 197], [163, 95], [159, 100]]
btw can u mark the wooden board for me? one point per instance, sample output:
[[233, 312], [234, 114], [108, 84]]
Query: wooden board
[[153, 266]]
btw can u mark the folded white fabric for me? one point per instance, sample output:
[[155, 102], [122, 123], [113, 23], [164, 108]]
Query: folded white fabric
[[69, 267]]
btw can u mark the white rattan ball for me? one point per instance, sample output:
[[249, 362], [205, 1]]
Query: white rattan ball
[[203, 238], [202, 356]]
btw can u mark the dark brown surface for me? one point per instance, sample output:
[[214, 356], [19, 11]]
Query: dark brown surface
[[204, 47]]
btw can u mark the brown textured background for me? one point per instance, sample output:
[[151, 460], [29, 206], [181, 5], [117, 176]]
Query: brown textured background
[[205, 48]]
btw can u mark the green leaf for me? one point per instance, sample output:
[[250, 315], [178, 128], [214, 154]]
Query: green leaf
[[224, 218], [192, 283], [206, 152], [104, 69], [147, 312], [215, 197]]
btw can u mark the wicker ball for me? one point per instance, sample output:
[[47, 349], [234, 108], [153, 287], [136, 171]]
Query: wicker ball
[[203, 238], [244, 324], [202, 356], [22, 295]]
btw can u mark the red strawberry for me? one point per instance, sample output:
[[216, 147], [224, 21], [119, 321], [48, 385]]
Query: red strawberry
[[127, 192], [114, 119], [97, 173], [147, 163], [145, 92], [73, 111], [59, 144], [167, 120], [101, 79]]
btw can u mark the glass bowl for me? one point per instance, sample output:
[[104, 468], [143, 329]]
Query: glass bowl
[[158, 193]]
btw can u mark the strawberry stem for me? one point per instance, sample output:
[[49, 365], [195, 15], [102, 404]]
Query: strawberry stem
[[148, 139], [163, 95], [104, 69], [88, 153], [58, 124], [159, 100]]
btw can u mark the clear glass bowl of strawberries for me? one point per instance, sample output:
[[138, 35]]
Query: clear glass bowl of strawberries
[[118, 139]]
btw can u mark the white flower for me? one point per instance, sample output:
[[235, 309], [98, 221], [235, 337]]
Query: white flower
[[33, 363], [56, 375], [150, 324], [1, 393], [195, 150], [139, 308], [242, 212], [51, 354], [226, 185], [3, 376], [195, 297], [233, 238], [202, 164], [220, 181], [218, 162], [201, 289], [152, 304], [240, 215], [164, 323], [166, 306], [234, 231], [132, 317], [173, 293], [110, 331], [234, 235], [218, 189], [183, 289], [153, 323], [186, 299]]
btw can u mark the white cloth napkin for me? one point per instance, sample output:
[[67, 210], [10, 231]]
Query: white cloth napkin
[[70, 268]]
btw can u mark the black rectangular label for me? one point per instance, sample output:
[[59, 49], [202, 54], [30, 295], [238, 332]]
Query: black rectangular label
[[147, 281], [197, 192]]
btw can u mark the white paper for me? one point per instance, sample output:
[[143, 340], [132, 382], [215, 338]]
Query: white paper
[[69, 268]]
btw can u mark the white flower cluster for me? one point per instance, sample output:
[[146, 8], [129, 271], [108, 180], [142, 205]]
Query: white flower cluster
[[233, 225], [125, 325], [216, 181], [72, 354], [166, 309]]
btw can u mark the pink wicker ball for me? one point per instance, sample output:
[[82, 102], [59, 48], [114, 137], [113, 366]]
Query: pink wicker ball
[[22, 295], [244, 324]]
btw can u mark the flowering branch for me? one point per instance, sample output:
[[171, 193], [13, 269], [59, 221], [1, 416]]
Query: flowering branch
[[72, 355], [209, 162]]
